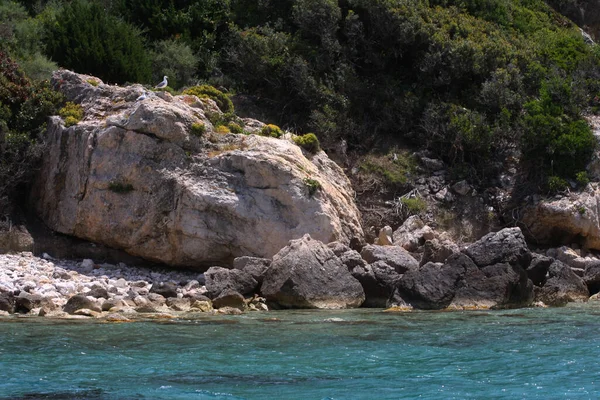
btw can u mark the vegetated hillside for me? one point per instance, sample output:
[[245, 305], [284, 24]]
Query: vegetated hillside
[[478, 83]]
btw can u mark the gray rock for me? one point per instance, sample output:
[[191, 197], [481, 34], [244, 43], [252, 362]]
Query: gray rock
[[562, 286], [378, 281], [394, 256], [98, 292], [165, 289], [176, 304], [591, 276], [157, 300], [229, 298], [25, 302], [220, 279], [432, 286], [352, 259], [459, 283], [307, 274], [462, 188], [254, 266], [7, 301], [412, 234], [505, 246], [80, 301], [338, 248], [436, 250], [111, 303]]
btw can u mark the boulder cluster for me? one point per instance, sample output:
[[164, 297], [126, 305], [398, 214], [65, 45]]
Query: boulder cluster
[[497, 271]]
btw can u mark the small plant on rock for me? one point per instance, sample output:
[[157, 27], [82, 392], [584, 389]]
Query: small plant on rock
[[198, 129], [271, 130], [582, 178], [235, 128], [309, 142], [222, 129], [206, 91], [71, 113], [313, 185], [557, 184], [414, 205], [93, 82]]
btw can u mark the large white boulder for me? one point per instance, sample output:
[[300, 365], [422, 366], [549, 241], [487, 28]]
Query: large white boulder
[[132, 176]]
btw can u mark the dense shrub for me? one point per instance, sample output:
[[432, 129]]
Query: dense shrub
[[271, 131], [309, 142], [71, 113], [206, 91], [24, 108], [176, 60], [198, 129], [84, 37]]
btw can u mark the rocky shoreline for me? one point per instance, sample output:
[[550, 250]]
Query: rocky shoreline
[[49, 287], [498, 271]]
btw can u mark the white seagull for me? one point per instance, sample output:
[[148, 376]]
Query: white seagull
[[143, 96], [163, 84]]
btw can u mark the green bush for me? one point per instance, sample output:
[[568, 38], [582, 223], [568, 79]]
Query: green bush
[[582, 178], [309, 142], [206, 91], [222, 129], [394, 168], [271, 131], [557, 184], [71, 113], [235, 128], [84, 37], [414, 205], [175, 59], [24, 108], [198, 129]]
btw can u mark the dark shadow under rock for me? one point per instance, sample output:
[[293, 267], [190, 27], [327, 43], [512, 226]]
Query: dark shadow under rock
[[378, 281], [538, 269]]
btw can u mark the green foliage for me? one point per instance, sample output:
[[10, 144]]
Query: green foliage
[[71, 113], [120, 187], [206, 91], [201, 25], [309, 142], [198, 129], [175, 59], [84, 37], [271, 131], [312, 185], [222, 129], [557, 184], [24, 108], [394, 168], [582, 178], [235, 128], [414, 205]]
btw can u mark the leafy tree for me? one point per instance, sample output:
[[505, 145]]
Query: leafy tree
[[85, 38], [176, 60]]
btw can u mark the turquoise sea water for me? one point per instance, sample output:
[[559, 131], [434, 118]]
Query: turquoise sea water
[[358, 354]]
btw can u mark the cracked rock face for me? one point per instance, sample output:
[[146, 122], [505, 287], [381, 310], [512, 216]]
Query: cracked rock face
[[132, 176]]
